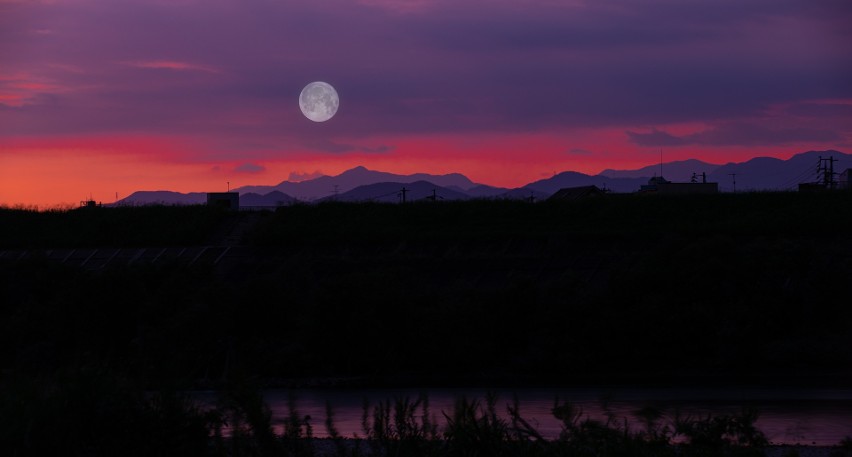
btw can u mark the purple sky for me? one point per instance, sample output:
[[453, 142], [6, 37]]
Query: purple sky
[[426, 84]]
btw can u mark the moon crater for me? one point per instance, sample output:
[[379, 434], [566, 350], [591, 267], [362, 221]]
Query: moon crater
[[319, 101]]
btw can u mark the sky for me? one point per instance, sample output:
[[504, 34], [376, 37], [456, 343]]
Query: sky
[[105, 97]]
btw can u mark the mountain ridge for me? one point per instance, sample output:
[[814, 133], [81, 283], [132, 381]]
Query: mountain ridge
[[758, 173]]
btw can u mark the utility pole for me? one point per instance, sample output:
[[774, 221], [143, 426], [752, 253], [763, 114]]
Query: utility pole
[[826, 166], [734, 177], [229, 185], [831, 172], [404, 190]]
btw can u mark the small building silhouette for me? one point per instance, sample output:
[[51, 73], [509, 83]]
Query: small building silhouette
[[653, 184], [660, 185], [90, 204], [576, 193], [227, 200]]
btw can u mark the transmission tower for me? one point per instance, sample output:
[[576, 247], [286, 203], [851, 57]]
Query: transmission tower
[[826, 169]]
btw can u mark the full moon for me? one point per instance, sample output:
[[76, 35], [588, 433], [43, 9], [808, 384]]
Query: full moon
[[319, 101]]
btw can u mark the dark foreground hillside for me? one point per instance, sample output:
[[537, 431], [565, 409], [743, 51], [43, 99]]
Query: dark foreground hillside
[[722, 288]]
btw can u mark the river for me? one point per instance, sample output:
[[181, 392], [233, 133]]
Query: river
[[787, 416]]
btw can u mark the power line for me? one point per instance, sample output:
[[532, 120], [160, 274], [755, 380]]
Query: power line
[[801, 177], [396, 192]]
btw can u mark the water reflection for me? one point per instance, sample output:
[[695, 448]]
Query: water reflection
[[821, 417]]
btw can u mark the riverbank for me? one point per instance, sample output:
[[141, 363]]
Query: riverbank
[[331, 448], [807, 451], [324, 447], [92, 409]]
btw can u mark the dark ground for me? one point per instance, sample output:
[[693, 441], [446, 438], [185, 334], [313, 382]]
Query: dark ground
[[746, 288]]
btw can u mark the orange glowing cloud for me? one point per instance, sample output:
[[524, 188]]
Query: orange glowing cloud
[[61, 171], [23, 88], [52, 171]]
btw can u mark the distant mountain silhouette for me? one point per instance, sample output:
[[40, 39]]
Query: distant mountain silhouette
[[274, 198], [324, 186], [524, 193], [484, 191], [767, 173], [759, 173], [163, 197], [565, 179], [680, 170], [390, 192], [359, 183]]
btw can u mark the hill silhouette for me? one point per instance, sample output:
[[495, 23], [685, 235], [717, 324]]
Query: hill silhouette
[[165, 197], [679, 170], [324, 186], [271, 199], [759, 173], [767, 173], [391, 192]]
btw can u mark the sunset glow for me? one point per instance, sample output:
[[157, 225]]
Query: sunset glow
[[102, 98]]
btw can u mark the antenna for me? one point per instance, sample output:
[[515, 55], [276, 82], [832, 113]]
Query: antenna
[[734, 177]]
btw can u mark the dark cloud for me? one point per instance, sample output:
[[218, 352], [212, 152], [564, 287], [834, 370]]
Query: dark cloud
[[736, 134], [579, 151], [235, 68], [330, 146], [325, 145], [821, 110], [655, 138], [742, 134], [250, 168], [382, 148]]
